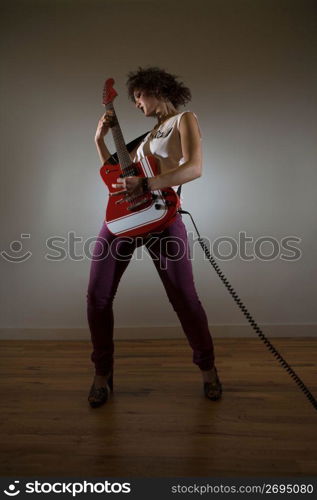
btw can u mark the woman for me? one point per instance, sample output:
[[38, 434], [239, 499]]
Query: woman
[[176, 143]]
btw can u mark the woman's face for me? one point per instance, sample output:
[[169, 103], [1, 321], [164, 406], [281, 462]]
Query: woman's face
[[146, 103]]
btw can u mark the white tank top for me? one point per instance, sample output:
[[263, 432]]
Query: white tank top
[[164, 144]]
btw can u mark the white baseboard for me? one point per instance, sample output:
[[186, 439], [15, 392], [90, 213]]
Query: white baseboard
[[159, 332]]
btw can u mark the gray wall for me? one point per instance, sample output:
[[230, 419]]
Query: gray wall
[[251, 66]]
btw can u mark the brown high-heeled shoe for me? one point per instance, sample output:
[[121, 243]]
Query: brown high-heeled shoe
[[213, 390], [100, 395]]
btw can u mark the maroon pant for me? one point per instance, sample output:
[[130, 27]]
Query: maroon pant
[[170, 253]]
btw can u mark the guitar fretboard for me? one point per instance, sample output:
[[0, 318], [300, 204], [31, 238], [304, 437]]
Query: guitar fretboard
[[122, 152]]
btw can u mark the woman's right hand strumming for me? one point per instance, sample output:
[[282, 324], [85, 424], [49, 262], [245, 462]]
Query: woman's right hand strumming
[[105, 122]]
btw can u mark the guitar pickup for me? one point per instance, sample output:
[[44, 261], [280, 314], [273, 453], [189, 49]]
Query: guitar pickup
[[135, 205], [130, 171]]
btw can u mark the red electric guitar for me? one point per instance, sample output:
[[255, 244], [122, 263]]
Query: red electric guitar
[[146, 213]]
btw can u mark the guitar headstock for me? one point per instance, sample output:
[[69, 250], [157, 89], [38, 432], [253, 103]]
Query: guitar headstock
[[109, 93]]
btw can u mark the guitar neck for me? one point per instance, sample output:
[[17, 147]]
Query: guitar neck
[[122, 152]]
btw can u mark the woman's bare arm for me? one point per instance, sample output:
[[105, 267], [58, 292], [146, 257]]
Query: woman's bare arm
[[102, 129], [191, 147], [191, 169]]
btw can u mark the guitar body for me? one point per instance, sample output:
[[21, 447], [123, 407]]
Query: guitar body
[[154, 210], [147, 213]]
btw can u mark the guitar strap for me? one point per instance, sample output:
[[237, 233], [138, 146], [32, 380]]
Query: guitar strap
[[113, 160]]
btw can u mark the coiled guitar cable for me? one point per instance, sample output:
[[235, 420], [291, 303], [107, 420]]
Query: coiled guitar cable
[[233, 293], [250, 319]]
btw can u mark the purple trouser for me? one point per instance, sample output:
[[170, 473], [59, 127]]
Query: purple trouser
[[170, 253]]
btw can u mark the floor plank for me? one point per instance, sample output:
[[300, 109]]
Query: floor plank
[[157, 423]]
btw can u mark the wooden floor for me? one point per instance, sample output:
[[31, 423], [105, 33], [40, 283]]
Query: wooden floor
[[158, 424]]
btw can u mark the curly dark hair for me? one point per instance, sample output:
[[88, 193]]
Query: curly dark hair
[[157, 82]]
